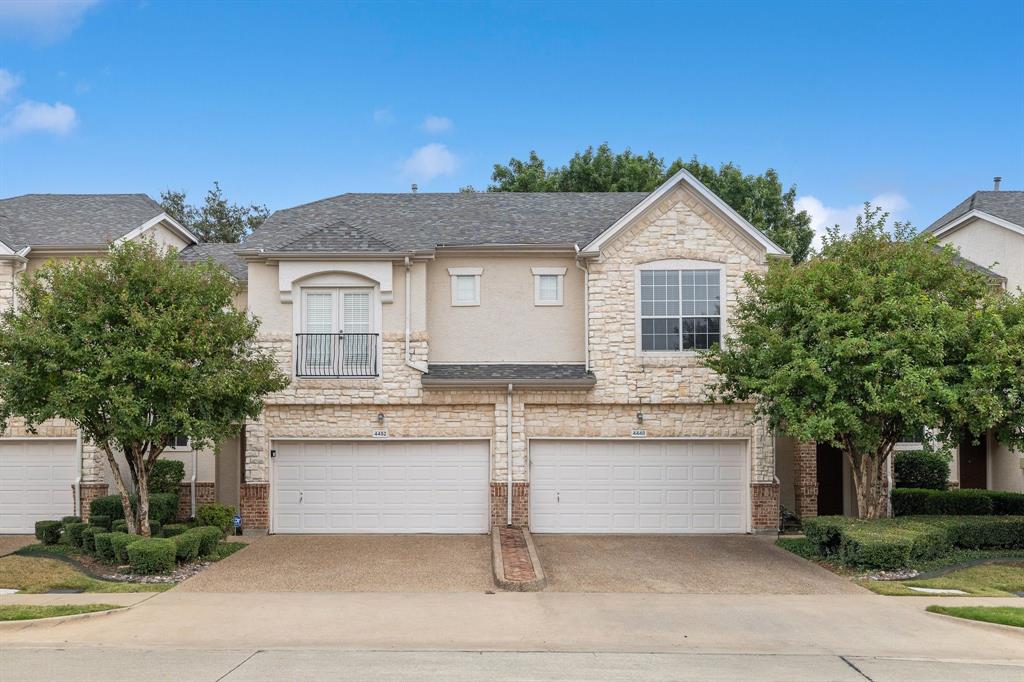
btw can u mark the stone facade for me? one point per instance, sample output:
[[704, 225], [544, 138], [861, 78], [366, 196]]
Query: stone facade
[[669, 390]]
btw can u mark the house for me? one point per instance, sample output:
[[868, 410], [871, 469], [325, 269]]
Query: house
[[988, 230], [53, 473]]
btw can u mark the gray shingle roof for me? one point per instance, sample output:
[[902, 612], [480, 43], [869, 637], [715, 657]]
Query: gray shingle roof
[[421, 222], [72, 219], [221, 253], [478, 374], [1008, 205]]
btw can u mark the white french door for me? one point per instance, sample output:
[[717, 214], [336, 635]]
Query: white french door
[[337, 326]]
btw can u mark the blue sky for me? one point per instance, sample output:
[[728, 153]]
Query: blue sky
[[913, 104]]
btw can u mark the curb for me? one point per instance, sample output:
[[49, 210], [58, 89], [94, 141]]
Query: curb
[[535, 585], [13, 625]]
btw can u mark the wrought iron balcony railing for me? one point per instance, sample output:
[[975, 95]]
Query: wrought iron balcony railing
[[334, 356]]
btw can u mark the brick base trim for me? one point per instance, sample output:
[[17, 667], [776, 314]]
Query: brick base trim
[[764, 506], [254, 500], [520, 504], [90, 491], [205, 494]]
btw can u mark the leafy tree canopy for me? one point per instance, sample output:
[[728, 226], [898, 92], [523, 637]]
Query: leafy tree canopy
[[882, 332], [761, 199], [216, 220], [133, 349]]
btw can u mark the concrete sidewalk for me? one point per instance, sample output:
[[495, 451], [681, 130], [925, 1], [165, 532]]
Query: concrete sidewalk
[[95, 664], [118, 598]]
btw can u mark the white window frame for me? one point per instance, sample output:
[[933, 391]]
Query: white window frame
[[187, 447], [680, 264], [538, 274], [455, 274]]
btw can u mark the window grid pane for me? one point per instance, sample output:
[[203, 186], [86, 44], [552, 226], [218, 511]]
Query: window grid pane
[[465, 288], [680, 309], [547, 288]]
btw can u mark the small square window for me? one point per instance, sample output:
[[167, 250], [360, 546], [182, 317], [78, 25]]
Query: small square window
[[465, 286], [179, 443], [547, 286]]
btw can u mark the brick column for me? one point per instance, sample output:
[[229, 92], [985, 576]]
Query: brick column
[[90, 491], [254, 499], [520, 504], [805, 479], [764, 507]]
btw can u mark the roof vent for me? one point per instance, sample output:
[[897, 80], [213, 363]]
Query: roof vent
[[995, 183], [415, 188]]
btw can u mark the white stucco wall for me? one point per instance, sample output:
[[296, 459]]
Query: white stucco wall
[[992, 246]]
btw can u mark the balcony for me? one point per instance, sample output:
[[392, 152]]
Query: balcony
[[336, 356]]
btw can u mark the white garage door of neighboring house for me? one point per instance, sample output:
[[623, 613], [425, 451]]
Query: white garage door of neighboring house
[[638, 486], [36, 479], [381, 487]]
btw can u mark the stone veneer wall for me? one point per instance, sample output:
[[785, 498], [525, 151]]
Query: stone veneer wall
[[6, 284]]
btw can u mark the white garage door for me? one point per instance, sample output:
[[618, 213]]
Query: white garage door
[[35, 482], [638, 486], [381, 487]]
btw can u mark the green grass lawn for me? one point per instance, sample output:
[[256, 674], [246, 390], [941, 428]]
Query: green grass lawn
[[35, 574], [31, 611], [986, 580], [1003, 615]]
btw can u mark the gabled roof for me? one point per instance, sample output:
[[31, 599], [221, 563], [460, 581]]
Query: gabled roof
[[54, 220], [221, 253], [423, 222], [1002, 207]]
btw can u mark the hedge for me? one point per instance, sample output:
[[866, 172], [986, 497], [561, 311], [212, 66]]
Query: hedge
[[208, 536], [152, 555], [119, 526], [73, 533], [163, 507], [172, 529], [71, 519], [48, 532], [101, 520], [186, 546], [968, 501], [219, 515], [166, 476], [89, 537], [105, 546], [921, 469], [120, 543], [901, 542]]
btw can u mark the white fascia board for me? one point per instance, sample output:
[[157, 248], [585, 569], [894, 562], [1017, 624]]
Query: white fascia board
[[5, 250], [686, 176], [162, 218], [957, 223]]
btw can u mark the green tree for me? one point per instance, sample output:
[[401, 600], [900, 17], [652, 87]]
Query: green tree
[[761, 199], [216, 220], [133, 349], [882, 332]]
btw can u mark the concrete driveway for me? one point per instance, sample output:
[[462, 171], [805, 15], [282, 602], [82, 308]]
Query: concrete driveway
[[12, 543], [694, 564], [353, 563]]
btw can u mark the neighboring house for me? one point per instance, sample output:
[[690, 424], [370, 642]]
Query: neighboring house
[[52, 473], [446, 348], [988, 230]]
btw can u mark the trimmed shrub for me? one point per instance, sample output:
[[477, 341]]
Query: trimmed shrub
[[166, 477], [89, 537], [73, 533], [219, 515], [825, 532], [208, 536], [984, 532], [163, 507], [1007, 503], [152, 555], [186, 546], [120, 543], [48, 532], [70, 519], [173, 529], [108, 505], [887, 545], [101, 520], [919, 501], [104, 546], [156, 529], [119, 526], [921, 469]]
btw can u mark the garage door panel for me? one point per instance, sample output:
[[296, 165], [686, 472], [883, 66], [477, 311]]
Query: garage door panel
[[653, 487], [36, 479], [390, 487]]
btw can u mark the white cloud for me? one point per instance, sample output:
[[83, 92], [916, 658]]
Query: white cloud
[[437, 124], [31, 117], [823, 216], [8, 83], [383, 116], [429, 162], [42, 20]]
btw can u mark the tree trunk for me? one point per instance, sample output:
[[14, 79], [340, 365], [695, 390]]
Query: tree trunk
[[870, 482], [142, 488], [122, 489]]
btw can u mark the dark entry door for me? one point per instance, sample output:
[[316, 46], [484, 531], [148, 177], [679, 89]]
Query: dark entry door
[[973, 462], [830, 480]]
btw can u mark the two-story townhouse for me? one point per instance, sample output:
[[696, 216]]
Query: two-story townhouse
[[463, 360], [52, 473]]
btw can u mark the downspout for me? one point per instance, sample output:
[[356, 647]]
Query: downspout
[[192, 483], [418, 366], [508, 458], [78, 473], [586, 309]]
